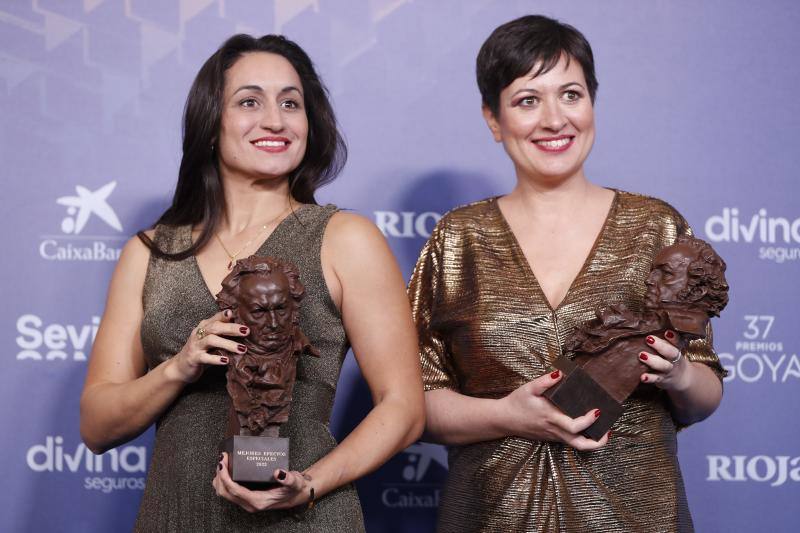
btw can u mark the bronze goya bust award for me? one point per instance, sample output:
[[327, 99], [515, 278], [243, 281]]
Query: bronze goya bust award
[[686, 287], [264, 294]]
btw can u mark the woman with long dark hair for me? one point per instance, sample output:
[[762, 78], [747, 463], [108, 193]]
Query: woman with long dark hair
[[259, 138]]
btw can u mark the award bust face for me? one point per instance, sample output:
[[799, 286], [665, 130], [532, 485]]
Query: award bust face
[[269, 309]]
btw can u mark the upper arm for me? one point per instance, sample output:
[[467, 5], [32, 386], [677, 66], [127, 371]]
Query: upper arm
[[366, 282], [117, 355]]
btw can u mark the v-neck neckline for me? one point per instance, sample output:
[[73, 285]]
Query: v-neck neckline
[[259, 251], [527, 267]]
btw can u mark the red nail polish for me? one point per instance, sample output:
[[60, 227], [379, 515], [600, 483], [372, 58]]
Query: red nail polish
[[219, 466], [650, 340], [241, 348], [223, 359], [281, 475], [243, 330], [669, 334], [597, 413], [609, 433], [644, 378], [555, 374], [643, 356]]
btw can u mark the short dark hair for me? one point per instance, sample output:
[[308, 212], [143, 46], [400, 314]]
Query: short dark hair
[[513, 49], [198, 195]]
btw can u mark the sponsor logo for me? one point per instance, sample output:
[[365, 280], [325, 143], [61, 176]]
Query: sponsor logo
[[53, 457], [414, 492], [70, 245], [758, 357], [51, 342], [406, 224], [774, 232], [761, 468]]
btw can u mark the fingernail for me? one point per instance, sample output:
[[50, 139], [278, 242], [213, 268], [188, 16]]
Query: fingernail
[[281, 475], [223, 360], [609, 434], [597, 413], [219, 466], [221, 456], [227, 313], [650, 340], [555, 374], [243, 330], [668, 334], [644, 378], [241, 347], [643, 356]]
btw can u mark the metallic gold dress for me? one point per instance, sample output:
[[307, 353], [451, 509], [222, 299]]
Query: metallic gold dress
[[486, 328]]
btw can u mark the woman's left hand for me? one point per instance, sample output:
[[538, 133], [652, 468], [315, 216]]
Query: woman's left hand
[[294, 490], [668, 368]]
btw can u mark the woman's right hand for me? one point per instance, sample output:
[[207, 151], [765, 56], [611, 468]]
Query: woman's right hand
[[187, 366], [529, 415]]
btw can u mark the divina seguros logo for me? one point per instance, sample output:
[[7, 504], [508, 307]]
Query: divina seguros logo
[[70, 245], [52, 456], [779, 236]]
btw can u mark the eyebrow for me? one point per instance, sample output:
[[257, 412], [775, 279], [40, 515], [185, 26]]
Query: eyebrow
[[258, 89], [561, 88]]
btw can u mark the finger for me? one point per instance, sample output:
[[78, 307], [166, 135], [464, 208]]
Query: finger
[[655, 362], [579, 442], [542, 383], [234, 492], [667, 349], [217, 359], [215, 341], [652, 378], [292, 479], [579, 424], [672, 337]]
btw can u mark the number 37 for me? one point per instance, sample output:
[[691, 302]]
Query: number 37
[[753, 330]]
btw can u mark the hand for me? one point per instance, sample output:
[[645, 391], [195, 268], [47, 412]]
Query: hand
[[668, 368], [189, 363], [534, 417], [295, 490]]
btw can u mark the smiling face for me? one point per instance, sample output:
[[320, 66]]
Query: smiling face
[[546, 123], [264, 127], [268, 308], [669, 276]]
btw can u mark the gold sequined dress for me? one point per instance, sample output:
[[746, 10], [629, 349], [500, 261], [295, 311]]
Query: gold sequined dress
[[486, 328]]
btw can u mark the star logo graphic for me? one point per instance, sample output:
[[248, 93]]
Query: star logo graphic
[[86, 204]]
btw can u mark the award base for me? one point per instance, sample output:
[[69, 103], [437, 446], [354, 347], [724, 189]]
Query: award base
[[577, 393], [252, 460]]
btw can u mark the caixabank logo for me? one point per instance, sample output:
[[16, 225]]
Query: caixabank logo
[[778, 237], [416, 489], [38, 340], [759, 355], [121, 468], [83, 208]]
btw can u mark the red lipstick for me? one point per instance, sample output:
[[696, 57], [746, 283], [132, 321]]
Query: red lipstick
[[554, 144]]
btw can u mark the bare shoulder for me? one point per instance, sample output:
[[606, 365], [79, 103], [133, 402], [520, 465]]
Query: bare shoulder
[[350, 232]]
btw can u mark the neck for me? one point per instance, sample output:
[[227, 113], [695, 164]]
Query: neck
[[251, 203], [553, 200]]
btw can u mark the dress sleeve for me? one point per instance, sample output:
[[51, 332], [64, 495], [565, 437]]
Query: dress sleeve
[[425, 292]]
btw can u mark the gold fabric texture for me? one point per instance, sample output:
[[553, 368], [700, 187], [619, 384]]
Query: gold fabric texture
[[486, 328]]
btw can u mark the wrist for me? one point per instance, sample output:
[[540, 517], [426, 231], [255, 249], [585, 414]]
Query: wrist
[[172, 372], [501, 423], [685, 379]]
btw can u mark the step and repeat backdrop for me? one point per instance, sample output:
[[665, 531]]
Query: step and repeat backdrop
[[698, 105]]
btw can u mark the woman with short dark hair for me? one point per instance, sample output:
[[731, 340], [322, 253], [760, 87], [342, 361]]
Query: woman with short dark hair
[[259, 138], [502, 283]]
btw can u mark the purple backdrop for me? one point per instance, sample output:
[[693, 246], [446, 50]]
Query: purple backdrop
[[696, 105]]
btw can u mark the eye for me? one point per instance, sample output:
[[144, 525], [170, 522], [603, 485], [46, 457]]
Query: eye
[[572, 96], [290, 104], [248, 102], [527, 101]]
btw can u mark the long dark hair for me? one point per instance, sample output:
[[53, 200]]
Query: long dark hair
[[199, 197]]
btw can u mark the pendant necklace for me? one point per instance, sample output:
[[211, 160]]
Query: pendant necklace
[[232, 256]]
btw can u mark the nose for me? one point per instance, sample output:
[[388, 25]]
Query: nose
[[273, 320], [271, 118], [553, 117]]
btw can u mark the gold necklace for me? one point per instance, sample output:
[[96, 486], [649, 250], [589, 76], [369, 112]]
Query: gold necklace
[[264, 227]]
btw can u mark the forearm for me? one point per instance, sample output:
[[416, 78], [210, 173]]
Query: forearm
[[113, 413], [388, 428], [454, 419], [698, 396]]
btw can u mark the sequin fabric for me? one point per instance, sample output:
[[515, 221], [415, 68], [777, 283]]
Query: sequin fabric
[[178, 495], [486, 328]]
